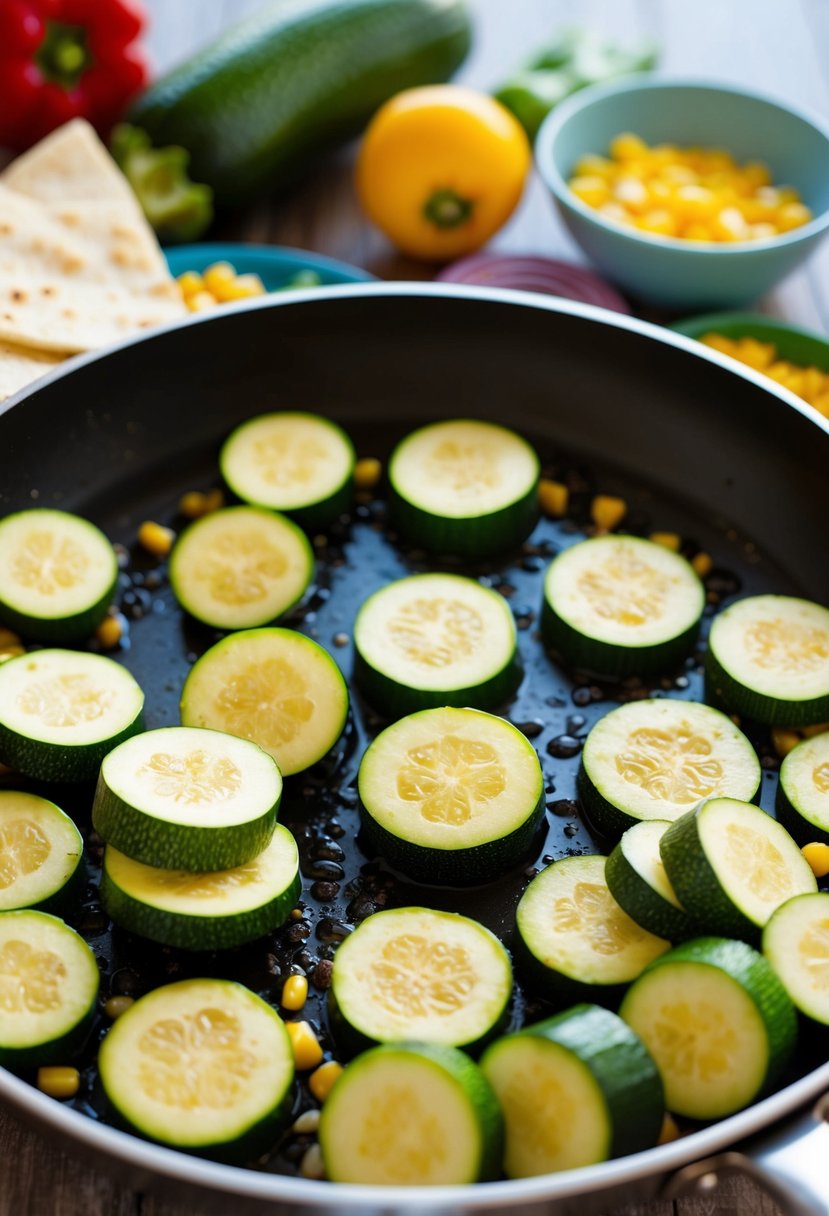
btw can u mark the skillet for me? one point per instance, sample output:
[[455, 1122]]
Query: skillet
[[694, 443]]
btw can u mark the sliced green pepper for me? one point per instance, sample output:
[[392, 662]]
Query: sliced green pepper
[[178, 209]]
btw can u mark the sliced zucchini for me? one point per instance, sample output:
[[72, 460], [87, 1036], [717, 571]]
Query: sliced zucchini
[[240, 567], [718, 1023], [48, 990], [188, 799], [61, 711], [203, 1065], [294, 462], [412, 973], [57, 575], [803, 792], [796, 943], [732, 865], [619, 606], [464, 487], [273, 686], [411, 1114], [451, 795], [657, 759], [577, 941], [41, 852], [636, 879], [575, 1089], [768, 658], [435, 639], [214, 910]]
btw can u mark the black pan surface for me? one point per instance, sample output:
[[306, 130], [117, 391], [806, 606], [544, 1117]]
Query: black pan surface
[[692, 448]]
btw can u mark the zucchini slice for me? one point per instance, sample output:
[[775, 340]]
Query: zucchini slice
[[301, 464], [203, 1065], [451, 795], [576, 939], [41, 852], [190, 799], [273, 686], [802, 802], [657, 759], [240, 567], [61, 711], [48, 990], [732, 865], [412, 973], [435, 639], [211, 911], [718, 1023], [619, 606], [768, 658], [464, 487], [57, 575], [411, 1114], [575, 1089], [796, 943], [636, 879]]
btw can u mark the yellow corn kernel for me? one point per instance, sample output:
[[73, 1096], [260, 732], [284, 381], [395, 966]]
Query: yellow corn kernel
[[658, 221], [155, 538], [762, 231], [243, 287], [190, 283], [668, 540], [821, 402], [11, 652], [792, 215], [702, 563], [306, 1045], [202, 301], [367, 473], [116, 1005], [758, 355], [694, 202], [669, 1131], [819, 728], [193, 504], [756, 173], [631, 193], [110, 631], [697, 231], [553, 497], [615, 212], [628, 146], [730, 225], [784, 740], [294, 992], [591, 190], [607, 511], [726, 346], [594, 166], [218, 277], [8, 638], [58, 1081], [817, 855], [321, 1081]]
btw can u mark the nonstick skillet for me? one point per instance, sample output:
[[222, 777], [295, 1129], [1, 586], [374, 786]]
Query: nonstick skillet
[[693, 443]]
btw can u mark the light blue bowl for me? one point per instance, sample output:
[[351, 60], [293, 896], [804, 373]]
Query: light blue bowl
[[665, 270]]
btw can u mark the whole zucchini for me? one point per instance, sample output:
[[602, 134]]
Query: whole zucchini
[[296, 78]]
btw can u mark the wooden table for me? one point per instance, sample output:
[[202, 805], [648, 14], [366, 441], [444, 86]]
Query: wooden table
[[764, 44]]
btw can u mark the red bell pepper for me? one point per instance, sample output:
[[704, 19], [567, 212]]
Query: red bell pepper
[[62, 59]]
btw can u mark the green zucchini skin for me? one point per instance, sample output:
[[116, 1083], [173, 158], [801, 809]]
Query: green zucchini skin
[[723, 691], [395, 700], [468, 538], [56, 761], [643, 904], [608, 660], [293, 80], [60, 631]]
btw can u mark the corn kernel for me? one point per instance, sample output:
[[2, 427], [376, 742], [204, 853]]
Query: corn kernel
[[607, 511], [670, 1131], [321, 1081], [659, 222], [594, 166], [819, 728], [792, 215], [58, 1082], [668, 540], [817, 855], [591, 190], [218, 277], [8, 638], [758, 355], [306, 1124], [294, 992], [553, 497], [194, 504], [116, 1005], [110, 631], [784, 740], [731, 225], [155, 538], [306, 1045], [628, 146], [11, 652], [214, 500], [202, 301], [243, 287], [697, 232], [367, 473], [702, 563], [190, 283]]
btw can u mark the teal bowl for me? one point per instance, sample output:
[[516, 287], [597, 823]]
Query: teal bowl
[[667, 271]]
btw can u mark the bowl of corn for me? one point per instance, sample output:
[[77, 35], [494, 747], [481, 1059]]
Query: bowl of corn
[[689, 195]]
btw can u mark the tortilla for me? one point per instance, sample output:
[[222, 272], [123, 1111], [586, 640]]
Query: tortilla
[[70, 164], [19, 365]]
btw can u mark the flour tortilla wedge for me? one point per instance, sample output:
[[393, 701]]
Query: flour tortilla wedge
[[19, 365], [70, 164]]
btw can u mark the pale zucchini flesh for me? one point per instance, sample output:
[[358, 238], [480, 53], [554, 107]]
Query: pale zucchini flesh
[[636, 878], [240, 567], [275, 687], [796, 944], [203, 1064], [41, 851], [802, 803]]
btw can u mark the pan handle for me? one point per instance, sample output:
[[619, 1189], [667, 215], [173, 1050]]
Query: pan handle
[[789, 1163]]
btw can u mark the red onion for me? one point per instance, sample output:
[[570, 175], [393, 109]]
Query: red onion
[[525, 272]]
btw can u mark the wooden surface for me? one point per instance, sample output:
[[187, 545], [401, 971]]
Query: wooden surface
[[768, 44]]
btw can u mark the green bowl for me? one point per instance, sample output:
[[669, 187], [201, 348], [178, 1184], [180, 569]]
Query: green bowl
[[796, 345], [667, 271]]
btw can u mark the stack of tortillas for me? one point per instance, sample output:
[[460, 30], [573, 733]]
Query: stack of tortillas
[[79, 265]]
